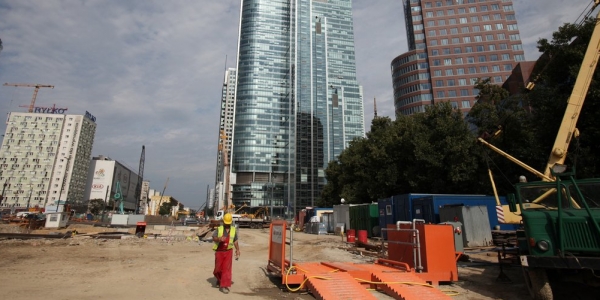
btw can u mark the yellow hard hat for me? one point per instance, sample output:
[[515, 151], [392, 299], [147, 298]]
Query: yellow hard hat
[[227, 218]]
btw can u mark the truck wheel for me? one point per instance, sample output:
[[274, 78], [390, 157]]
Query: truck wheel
[[537, 283]]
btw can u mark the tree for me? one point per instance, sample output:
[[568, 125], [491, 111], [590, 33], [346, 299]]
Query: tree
[[441, 155], [431, 152], [165, 209], [506, 122], [96, 206], [556, 81]]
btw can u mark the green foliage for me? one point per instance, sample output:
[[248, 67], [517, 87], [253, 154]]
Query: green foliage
[[96, 206], [441, 152], [436, 152], [165, 209], [559, 71], [505, 122], [432, 152]]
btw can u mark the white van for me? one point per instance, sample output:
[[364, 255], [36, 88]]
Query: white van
[[23, 214]]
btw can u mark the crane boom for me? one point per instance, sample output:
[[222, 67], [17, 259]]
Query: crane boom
[[567, 127], [161, 196], [138, 188], [35, 92]]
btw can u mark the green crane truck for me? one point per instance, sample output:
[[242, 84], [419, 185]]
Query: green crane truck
[[561, 235]]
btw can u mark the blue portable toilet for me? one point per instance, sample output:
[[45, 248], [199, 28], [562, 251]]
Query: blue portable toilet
[[386, 214]]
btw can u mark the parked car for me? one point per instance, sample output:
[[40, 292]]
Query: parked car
[[190, 220]]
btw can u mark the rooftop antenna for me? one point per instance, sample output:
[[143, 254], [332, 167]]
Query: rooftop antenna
[[375, 106]]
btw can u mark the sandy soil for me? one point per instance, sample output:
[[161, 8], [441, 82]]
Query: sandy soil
[[85, 268]]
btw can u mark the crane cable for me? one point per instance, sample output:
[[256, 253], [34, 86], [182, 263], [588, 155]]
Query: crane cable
[[586, 13], [487, 162]]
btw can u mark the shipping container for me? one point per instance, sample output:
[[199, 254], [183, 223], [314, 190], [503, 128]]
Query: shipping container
[[400, 208], [327, 221], [396, 208], [302, 219], [428, 207], [476, 231], [365, 217], [312, 215], [341, 214]]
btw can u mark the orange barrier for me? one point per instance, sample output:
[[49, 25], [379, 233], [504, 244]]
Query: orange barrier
[[436, 246], [342, 280]]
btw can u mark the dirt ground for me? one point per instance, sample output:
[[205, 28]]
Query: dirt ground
[[82, 267]]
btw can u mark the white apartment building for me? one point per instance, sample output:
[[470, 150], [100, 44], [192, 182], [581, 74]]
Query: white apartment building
[[44, 159]]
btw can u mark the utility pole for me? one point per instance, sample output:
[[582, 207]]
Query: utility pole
[[35, 92], [105, 202], [30, 192], [3, 189], [138, 188]]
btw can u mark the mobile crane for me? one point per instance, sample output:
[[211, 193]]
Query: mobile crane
[[560, 214]]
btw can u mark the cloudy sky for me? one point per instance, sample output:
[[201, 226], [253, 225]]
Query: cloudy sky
[[151, 71]]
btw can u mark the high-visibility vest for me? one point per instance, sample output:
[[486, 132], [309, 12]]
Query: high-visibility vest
[[220, 230]]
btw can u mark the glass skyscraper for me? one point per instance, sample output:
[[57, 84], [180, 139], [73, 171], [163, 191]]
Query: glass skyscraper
[[298, 103], [224, 138]]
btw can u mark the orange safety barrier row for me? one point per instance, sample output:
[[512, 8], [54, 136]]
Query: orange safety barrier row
[[341, 280]]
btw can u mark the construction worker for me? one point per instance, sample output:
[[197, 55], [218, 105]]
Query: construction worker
[[225, 238]]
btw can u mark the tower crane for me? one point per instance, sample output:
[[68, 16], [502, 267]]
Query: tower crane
[[161, 197], [36, 86], [138, 188]]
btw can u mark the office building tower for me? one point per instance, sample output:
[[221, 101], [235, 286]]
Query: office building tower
[[453, 43], [107, 177], [45, 160], [224, 140], [298, 103]]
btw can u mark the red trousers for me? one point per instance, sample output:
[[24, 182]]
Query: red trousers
[[223, 267]]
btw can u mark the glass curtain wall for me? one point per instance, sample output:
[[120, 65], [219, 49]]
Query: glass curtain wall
[[298, 104]]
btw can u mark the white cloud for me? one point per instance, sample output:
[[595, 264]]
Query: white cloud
[[151, 71]]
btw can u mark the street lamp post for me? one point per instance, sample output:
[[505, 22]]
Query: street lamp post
[[105, 202], [3, 189], [29, 199], [272, 186]]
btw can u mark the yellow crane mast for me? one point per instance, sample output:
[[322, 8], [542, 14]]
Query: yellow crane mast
[[35, 92]]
